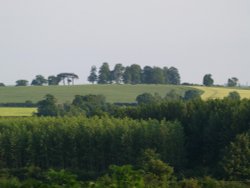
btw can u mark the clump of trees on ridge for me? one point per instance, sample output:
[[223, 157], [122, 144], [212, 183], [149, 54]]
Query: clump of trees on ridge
[[40, 80], [134, 74]]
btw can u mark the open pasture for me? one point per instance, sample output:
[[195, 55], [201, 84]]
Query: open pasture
[[221, 92], [112, 92]]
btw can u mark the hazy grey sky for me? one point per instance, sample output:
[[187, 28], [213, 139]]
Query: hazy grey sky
[[196, 36]]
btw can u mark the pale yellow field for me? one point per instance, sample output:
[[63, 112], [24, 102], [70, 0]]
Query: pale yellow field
[[15, 111], [220, 92]]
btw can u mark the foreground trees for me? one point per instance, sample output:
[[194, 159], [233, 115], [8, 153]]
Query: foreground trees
[[90, 144]]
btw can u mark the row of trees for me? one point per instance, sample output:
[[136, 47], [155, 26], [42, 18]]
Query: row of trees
[[134, 74], [40, 80]]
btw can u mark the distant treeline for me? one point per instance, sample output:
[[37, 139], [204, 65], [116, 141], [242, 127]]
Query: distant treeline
[[134, 74]]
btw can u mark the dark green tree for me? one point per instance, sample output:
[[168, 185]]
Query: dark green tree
[[173, 76], [70, 77], [104, 74], [93, 76], [157, 75], [145, 98], [47, 107], [232, 82], [151, 163], [39, 81], [234, 95], [165, 74], [208, 80], [147, 73], [236, 162], [135, 71], [173, 95], [53, 80], [22, 82], [127, 77], [2, 84], [117, 73], [191, 94]]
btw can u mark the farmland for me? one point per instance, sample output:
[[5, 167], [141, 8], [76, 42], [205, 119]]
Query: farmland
[[12, 111], [113, 93], [220, 92]]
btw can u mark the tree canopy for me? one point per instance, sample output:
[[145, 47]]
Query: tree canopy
[[208, 80], [22, 82]]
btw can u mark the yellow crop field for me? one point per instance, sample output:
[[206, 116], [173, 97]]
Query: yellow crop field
[[221, 92], [16, 111]]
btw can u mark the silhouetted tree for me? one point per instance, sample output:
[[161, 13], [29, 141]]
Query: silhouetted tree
[[69, 76], [207, 80], [135, 72], [93, 76], [22, 82], [147, 73], [232, 82], [117, 73], [173, 76], [53, 80], [104, 74], [39, 81], [157, 75]]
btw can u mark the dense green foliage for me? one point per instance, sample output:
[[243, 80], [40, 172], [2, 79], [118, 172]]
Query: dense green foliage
[[161, 142], [89, 144]]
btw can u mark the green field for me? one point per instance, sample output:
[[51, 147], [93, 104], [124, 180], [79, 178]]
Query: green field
[[113, 93], [13, 111], [221, 92]]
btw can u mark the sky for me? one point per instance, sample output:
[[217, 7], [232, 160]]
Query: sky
[[48, 37]]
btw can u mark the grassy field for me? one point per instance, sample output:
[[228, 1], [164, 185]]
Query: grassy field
[[113, 93], [220, 92], [12, 111]]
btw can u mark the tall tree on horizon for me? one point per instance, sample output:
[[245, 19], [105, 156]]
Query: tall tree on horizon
[[104, 74], [117, 73], [135, 71], [147, 75], [174, 76], [93, 76]]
